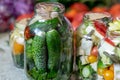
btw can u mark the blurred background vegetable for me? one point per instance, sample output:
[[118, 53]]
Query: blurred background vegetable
[[11, 9]]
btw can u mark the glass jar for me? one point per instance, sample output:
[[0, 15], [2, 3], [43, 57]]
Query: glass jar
[[109, 53], [88, 36], [17, 40], [48, 43]]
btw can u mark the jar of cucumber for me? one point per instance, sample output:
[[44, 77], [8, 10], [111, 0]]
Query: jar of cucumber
[[48, 43]]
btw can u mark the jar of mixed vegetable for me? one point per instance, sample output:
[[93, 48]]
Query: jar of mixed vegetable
[[17, 40], [48, 44], [109, 53], [88, 36]]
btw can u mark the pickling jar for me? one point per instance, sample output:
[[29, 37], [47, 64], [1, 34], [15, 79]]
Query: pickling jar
[[16, 40], [48, 43], [88, 35], [109, 53]]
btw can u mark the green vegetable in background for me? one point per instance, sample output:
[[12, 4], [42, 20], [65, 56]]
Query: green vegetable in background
[[39, 51], [54, 50]]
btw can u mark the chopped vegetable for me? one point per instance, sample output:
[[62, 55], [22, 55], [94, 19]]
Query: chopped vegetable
[[108, 75], [111, 67], [84, 60], [114, 26], [92, 58], [101, 65], [94, 51], [87, 71], [100, 71], [109, 41], [18, 48], [101, 28]]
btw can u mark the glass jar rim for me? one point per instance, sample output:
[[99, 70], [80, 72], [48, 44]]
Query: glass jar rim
[[96, 15], [54, 4]]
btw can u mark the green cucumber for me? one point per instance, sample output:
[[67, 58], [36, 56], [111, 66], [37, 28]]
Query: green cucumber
[[36, 75], [39, 51], [28, 49], [46, 25], [51, 75], [87, 71], [33, 73], [54, 50]]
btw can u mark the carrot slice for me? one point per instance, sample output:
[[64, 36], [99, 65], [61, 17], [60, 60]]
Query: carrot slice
[[18, 48]]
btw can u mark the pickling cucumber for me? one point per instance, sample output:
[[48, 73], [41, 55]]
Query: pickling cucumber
[[54, 49], [45, 25], [39, 51]]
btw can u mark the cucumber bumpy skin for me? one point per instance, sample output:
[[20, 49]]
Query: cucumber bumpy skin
[[54, 50], [39, 52]]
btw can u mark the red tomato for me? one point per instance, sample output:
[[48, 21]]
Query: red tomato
[[78, 19], [108, 75], [23, 16], [115, 10], [11, 26], [70, 14], [79, 6], [99, 9], [75, 24], [94, 51], [101, 28], [92, 58], [27, 33], [101, 71]]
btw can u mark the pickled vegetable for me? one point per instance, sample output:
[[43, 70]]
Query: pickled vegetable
[[39, 52], [108, 75], [89, 35], [109, 53], [54, 51], [48, 44], [18, 48]]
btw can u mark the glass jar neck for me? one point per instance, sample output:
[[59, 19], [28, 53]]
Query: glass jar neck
[[96, 16], [49, 10], [113, 34]]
